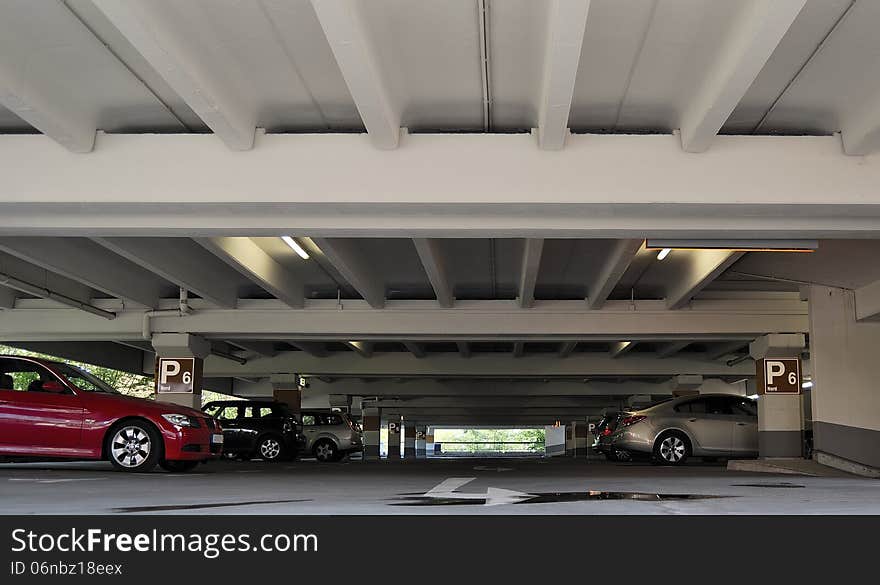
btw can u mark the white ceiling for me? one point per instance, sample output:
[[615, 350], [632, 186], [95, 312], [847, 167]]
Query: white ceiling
[[641, 62]]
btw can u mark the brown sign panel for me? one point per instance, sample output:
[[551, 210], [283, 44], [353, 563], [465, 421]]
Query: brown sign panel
[[779, 375], [179, 375]]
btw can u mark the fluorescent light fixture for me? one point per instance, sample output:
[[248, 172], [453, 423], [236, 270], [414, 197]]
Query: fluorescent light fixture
[[664, 253], [296, 247], [807, 384], [736, 245]]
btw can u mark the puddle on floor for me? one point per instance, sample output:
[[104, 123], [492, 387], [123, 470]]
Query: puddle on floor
[[780, 484], [553, 498], [201, 506]]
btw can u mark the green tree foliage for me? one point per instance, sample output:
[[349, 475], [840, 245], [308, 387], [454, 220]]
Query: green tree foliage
[[124, 382], [490, 440]]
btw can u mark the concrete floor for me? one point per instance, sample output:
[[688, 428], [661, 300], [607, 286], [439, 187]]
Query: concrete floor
[[354, 487]]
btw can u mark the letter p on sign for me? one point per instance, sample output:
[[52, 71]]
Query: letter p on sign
[[169, 368]]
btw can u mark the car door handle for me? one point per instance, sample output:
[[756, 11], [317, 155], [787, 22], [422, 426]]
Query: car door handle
[[741, 424], [692, 420]]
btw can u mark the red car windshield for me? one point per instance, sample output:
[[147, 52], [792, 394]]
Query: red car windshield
[[82, 379]]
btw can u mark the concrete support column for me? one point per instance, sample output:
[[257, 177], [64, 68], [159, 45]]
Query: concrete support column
[[591, 436], [569, 439], [554, 441], [356, 411], [394, 438], [780, 416], [580, 438], [845, 396], [185, 346], [409, 441], [285, 389], [421, 434], [429, 441], [372, 420]]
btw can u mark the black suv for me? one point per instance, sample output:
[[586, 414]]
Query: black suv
[[258, 429]]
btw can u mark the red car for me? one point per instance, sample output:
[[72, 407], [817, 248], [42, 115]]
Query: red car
[[53, 410]]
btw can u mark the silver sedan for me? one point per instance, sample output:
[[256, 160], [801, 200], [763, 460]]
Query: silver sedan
[[709, 425]]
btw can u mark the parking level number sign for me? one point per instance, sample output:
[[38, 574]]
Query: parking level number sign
[[779, 376], [178, 375]]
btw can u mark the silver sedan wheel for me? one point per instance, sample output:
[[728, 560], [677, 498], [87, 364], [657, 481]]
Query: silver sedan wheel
[[672, 449], [130, 446], [324, 452], [270, 449]]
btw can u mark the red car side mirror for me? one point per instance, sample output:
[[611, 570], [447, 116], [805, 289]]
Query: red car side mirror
[[54, 387]]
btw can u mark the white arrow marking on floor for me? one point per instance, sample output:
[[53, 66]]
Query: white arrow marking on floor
[[38, 480], [492, 497]]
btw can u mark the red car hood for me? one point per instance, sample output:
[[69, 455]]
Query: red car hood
[[144, 404]]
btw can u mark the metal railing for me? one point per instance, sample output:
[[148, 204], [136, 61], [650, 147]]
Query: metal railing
[[488, 447]]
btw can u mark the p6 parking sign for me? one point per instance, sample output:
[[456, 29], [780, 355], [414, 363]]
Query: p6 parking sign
[[178, 375], [779, 376]]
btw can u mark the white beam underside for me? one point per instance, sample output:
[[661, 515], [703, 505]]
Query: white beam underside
[[567, 23], [451, 365], [352, 264], [7, 297], [613, 269], [435, 268], [422, 321], [754, 34], [243, 255], [215, 101], [868, 302], [640, 186], [47, 113], [88, 263], [692, 276], [196, 273], [531, 265], [348, 38], [487, 388]]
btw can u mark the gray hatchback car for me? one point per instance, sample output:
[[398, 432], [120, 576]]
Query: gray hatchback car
[[708, 425], [330, 435]]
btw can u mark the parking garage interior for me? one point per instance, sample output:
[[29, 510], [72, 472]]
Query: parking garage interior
[[455, 215]]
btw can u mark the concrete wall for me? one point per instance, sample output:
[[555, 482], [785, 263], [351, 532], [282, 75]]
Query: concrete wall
[[554, 440], [845, 356]]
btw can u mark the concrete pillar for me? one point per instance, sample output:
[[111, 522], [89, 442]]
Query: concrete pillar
[[554, 441], [780, 416], [372, 420], [580, 438], [184, 346], [429, 441], [569, 439], [355, 410], [394, 437], [285, 389], [409, 441], [421, 434], [844, 356], [591, 436]]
